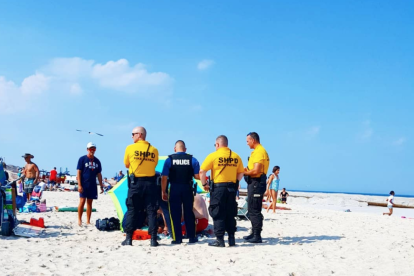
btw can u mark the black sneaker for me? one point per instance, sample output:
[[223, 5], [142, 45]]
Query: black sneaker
[[232, 241], [176, 242], [248, 237], [193, 240], [128, 240], [154, 242], [217, 243]]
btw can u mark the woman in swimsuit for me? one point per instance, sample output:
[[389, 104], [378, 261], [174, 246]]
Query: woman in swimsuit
[[284, 195], [273, 183]]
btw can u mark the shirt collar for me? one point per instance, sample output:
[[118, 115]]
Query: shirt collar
[[223, 149]]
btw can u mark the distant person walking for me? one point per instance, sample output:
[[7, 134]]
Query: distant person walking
[[31, 173], [284, 195], [390, 205], [52, 178], [273, 182], [89, 168]]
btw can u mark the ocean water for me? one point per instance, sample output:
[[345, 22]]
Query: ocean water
[[244, 186], [367, 194]]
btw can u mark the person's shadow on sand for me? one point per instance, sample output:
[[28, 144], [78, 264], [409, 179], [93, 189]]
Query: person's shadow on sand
[[290, 240]]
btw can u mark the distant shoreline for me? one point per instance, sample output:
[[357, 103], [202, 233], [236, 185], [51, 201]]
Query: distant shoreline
[[347, 193]]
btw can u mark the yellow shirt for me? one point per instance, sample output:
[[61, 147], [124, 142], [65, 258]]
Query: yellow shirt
[[135, 153], [259, 155], [215, 162]]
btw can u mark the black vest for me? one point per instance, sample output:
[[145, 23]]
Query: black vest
[[181, 171]]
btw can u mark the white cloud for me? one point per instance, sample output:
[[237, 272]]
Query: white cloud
[[115, 75], [75, 89], [205, 64], [9, 95], [118, 75], [400, 141], [35, 84], [69, 69], [196, 107], [366, 135], [313, 131], [71, 74], [367, 132], [14, 98]]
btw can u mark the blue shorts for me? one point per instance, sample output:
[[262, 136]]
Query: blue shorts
[[29, 185], [89, 193]]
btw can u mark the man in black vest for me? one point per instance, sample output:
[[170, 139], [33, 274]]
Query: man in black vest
[[179, 169]]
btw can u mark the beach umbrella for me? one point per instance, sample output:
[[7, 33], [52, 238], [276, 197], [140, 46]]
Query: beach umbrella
[[119, 193]]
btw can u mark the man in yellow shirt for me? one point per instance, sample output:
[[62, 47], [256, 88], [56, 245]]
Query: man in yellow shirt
[[141, 158], [255, 176], [226, 171]]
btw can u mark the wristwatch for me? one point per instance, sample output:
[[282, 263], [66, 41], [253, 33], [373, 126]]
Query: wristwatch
[[205, 185]]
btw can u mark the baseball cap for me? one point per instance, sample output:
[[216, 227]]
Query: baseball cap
[[90, 145]]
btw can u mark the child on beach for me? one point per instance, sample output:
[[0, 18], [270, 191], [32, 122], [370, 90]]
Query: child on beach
[[284, 195], [390, 205], [273, 184]]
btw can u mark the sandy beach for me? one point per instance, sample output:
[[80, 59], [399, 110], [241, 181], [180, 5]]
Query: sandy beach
[[314, 238]]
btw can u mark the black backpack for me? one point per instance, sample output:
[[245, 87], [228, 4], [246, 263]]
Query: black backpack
[[106, 224]]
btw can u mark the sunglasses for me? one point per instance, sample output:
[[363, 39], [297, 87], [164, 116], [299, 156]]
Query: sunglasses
[[135, 133], [92, 149]]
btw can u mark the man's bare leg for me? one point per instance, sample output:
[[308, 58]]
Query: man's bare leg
[[80, 210], [88, 210]]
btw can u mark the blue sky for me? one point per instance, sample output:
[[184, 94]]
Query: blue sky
[[328, 85]]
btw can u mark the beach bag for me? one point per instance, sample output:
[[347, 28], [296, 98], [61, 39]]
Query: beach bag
[[41, 206], [106, 224], [20, 201], [29, 207]]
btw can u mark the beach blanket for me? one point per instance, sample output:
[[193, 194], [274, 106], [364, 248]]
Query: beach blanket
[[27, 231]]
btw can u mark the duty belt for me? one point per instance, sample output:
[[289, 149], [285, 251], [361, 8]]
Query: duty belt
[[224, 184], [255, 178], [145, 178]]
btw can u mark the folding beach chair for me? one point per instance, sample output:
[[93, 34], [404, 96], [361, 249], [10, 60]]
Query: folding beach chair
[[36, 194], [242, 208]]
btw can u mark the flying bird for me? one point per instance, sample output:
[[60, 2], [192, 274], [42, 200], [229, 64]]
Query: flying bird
[[90, 132]]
